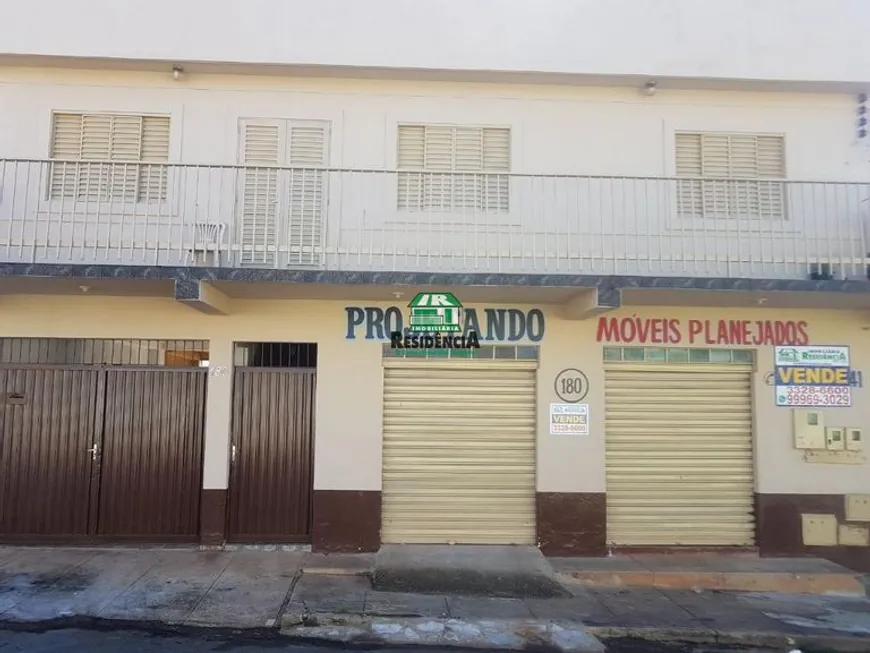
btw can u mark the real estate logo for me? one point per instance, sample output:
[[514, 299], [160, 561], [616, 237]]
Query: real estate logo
[[437, 313], [833, 356], [436, 322]]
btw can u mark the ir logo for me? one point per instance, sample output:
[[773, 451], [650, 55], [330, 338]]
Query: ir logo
[[571, 385]]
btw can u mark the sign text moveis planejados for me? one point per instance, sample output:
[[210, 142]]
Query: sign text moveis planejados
[[495, 325], [667, 331]]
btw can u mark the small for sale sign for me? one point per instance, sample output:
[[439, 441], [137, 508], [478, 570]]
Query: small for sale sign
[[569, 419], [812, 377]]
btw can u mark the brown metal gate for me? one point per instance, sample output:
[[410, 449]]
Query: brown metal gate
[[49, 424], [151, 463], [89, 453], [272, 455]]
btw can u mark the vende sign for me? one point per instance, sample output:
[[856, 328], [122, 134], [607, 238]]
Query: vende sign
[[668, 331]]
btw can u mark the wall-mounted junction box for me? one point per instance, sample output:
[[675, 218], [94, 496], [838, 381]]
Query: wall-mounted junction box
[[834, 438], [854, 438], [819, 530], [809, 429], [852, 535], [858, 507]]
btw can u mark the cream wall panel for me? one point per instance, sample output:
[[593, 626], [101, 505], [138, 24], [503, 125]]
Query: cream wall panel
[[350, 381], [570, 463], [219, 412], [349, 396]]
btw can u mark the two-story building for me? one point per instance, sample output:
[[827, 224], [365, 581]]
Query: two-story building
[[214, 220]]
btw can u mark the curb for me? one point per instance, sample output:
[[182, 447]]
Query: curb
[[825, 584], [354, 631], [335, 571], [840, 643], [488, 634]]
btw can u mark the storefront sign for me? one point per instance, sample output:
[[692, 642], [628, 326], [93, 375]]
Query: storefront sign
[[666, 331], [812, 377], [569, 419], [488, 325]]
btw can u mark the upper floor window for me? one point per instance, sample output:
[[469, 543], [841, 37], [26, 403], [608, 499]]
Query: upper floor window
[[109, 157], [284, 193], [448, 168], [735, 175]]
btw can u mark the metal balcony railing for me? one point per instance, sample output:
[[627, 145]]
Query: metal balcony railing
[[115, 212]]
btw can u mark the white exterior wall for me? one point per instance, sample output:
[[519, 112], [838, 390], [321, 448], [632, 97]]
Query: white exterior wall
[[823, 40], [554, 131]]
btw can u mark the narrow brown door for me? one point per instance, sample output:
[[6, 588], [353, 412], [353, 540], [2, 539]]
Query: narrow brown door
[[271, 461], [49, 423], [151, 463]]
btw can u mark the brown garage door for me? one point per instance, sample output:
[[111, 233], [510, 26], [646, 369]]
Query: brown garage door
[[151, 463], [101, 454], [271, 471], [49, 424]]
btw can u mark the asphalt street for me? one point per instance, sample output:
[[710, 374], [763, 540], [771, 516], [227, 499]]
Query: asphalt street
[[142, 641]]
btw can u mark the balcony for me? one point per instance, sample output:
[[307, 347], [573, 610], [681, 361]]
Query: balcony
[[123, 213]]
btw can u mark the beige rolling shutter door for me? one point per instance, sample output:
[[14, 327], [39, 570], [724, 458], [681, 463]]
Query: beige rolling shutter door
[[679, 455], [459, 452]]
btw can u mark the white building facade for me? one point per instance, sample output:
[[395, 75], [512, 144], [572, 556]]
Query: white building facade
[[316, 166]]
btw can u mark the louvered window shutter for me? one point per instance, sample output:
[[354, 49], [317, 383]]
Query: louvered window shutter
[[260, 147], [154, 154], [411, 157], [771, 165], [125, 142], [734, 168], [94, 141], [445, 168], [715, 167], [307, 153], [66, 146], [690, 192], [497, 163]]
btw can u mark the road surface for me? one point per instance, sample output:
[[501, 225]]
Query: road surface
[[143, 641]]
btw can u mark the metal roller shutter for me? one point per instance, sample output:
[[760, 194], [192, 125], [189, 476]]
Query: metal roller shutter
[[459, 452], [679, 455]]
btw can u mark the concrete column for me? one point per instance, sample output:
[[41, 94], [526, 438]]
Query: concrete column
[[218, 422]]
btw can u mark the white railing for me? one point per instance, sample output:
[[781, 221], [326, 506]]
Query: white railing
[[361, 220]]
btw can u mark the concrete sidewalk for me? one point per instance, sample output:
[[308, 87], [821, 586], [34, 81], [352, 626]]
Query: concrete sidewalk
[[331, 597]]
